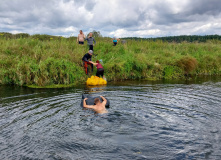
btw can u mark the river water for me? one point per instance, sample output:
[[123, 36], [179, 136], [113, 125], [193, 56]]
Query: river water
[[146, 120]]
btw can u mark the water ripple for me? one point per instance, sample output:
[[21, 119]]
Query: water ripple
[[145, 121]]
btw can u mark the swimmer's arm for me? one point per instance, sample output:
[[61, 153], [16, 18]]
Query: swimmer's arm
[[87, 106], [104, 100]]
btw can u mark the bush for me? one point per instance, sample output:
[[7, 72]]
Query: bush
[[187, 64]]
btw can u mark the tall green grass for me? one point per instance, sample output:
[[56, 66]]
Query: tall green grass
[[35, 61]]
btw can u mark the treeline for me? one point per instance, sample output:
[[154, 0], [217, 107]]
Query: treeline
[[41, 37], [179, 39]]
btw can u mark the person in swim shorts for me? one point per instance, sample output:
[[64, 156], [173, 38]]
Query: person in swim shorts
[[80, 38], [99, 106], [100, 69]]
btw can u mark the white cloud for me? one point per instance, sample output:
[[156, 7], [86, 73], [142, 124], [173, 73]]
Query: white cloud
[[121, 18], [6, 21], [119, 33], [70, 29]]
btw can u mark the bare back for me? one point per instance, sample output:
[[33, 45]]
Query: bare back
[[100, 108]]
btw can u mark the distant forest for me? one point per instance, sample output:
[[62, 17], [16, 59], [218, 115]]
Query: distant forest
[[182, 38], [177, 39]]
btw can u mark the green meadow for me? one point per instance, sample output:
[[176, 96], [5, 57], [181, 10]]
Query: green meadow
[[41, 61]]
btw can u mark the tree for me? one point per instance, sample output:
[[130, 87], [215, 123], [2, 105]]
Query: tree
[[96, 34]]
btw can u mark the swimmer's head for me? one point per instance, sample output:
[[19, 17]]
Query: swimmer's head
[[97, 100]]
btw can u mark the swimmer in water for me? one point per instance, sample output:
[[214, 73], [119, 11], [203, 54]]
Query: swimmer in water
[[99, 106]]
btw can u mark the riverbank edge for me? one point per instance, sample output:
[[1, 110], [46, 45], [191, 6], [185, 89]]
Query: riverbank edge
[[187, 78]]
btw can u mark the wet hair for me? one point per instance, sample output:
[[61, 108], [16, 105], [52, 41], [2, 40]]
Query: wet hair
[[97, 61], [96, 100]]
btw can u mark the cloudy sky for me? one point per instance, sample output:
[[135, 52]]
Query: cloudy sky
[[121, 18]]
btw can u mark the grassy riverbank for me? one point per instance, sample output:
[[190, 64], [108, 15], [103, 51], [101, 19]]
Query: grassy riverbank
[[57, 62]]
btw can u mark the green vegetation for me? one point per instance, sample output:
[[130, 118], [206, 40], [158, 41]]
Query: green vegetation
[[179, 39], [49, 61]]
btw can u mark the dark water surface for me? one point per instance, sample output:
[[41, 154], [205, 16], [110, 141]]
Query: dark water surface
[[146, 120]]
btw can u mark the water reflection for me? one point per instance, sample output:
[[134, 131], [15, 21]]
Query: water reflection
[[94, 89]]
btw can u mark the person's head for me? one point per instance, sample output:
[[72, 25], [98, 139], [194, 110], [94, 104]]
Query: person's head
[[97, 61], [90, 34], [90, 52], [97, 101], [81, 31]]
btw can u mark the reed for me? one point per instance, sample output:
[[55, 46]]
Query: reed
[[52, 61]]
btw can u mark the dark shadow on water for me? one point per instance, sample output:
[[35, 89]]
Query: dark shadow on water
[[192, 80]]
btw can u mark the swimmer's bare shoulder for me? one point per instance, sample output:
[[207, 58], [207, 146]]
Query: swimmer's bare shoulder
[[101, 111], [101, 107]]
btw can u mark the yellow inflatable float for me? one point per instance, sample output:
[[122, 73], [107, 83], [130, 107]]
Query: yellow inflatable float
[[94, 80]]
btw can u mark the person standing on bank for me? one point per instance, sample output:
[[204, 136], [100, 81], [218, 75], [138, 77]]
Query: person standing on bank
[[115, 40], [86, 62], [100, 69], [90, 41], [81, 37]]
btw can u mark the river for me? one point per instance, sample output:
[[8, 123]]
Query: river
[[146, 120]]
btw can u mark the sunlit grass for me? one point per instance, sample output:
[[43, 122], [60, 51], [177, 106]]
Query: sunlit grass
[[57, 61]]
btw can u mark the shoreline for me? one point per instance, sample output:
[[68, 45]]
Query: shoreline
[[189, 80]]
